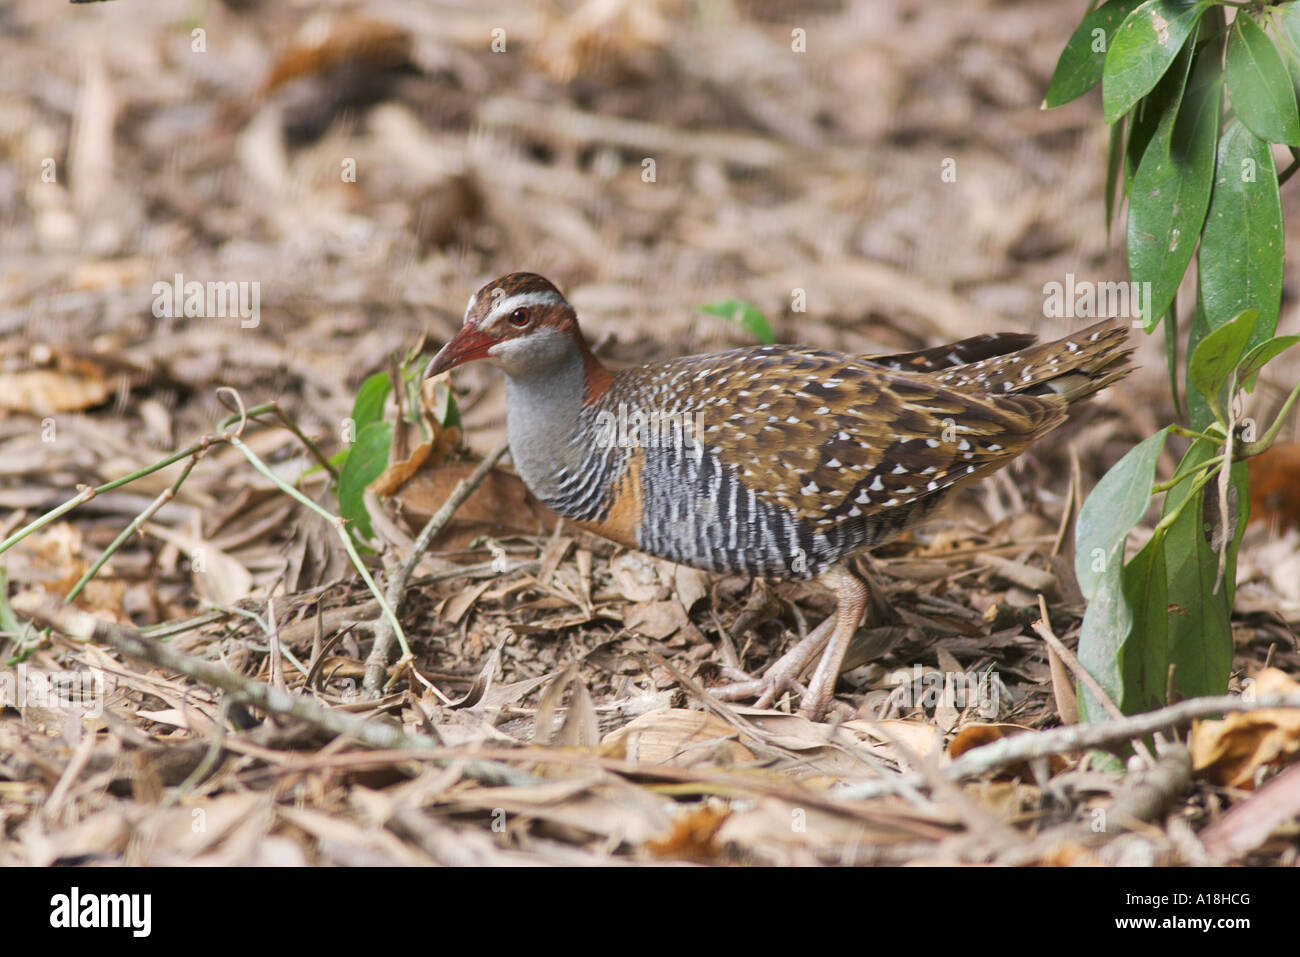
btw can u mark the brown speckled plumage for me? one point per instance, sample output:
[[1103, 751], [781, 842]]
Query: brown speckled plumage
[[785, 461]]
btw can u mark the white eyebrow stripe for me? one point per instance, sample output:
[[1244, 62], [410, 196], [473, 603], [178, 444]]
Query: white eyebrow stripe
[[505, 306]]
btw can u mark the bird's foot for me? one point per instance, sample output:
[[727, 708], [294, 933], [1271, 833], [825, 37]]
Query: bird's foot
[[782, 676]]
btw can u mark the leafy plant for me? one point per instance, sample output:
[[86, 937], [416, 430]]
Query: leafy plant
[[1194, 104], [365, 459], [747, 315]]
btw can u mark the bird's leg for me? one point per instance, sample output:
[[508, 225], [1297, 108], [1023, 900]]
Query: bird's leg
[[784, 674], [850, 603], [833, 635]]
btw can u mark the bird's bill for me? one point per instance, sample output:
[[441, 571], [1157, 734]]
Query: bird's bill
[[468, 344]]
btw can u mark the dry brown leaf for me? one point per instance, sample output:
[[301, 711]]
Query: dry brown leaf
[[656, 619], [691, 585], [103, 834], [499, 507], [1230, 751], [62, 383], [637, 577], [324, 44], [976, 735], [599, 32], [179, 834], [220, 578], [677, 736], [409, 451], [51, 560], [920, 737], [780, 831], [454, 608], [693, 834]]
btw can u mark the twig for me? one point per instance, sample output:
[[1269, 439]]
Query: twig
[[339, 525], [82, 626], [1081, 737], [1287, 173], [1067, 705], [395, 594], [1085, 677], [165, 496]]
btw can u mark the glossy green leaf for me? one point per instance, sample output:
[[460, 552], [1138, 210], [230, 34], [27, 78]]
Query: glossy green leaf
[[1169, 196], [1105, 520], [1144, 653], [1115, 162], [368, 406], [1142, 49], [1260, 356], [365, 463], [1199, 631], [1145, 119], [1218, 353], [1258, 83], [1199, 415], [1241, 257], [736, 310], [1080, 65], [1289, 18]]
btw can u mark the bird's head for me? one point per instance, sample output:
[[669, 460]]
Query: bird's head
[[520, 323]]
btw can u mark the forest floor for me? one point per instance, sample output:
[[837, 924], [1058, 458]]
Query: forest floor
[[892, 185]]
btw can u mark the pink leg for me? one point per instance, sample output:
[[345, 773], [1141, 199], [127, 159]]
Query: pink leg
[[833, 634], [784, 675], [851, 602]]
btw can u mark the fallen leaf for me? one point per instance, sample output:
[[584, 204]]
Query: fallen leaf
[[977, 735], [1231, 750], [656, 619], [677, 736], [693, 834]]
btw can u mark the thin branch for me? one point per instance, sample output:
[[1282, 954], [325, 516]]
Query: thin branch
[[1082, 737], [395, 594], [1067, 658]]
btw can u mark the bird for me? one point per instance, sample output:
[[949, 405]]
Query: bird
[[774, 461]]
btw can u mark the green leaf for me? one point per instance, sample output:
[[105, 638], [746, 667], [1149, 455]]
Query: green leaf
[[1145, 652], [1258, 83], [1289, 18], [364, 464], [445, 410], [736, 310], [1108, 515], [1241, 257], [1218, 354], [1198, 627], [1143, 48], [1199, 415], [1260, 356], [1145, 119], [368, 406], [1169, 196], [1079, 68], [1115, 161]]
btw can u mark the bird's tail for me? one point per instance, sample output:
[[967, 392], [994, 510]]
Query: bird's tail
[[1074, 367]]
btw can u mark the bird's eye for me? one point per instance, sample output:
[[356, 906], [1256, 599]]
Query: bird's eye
[[519, 318]]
